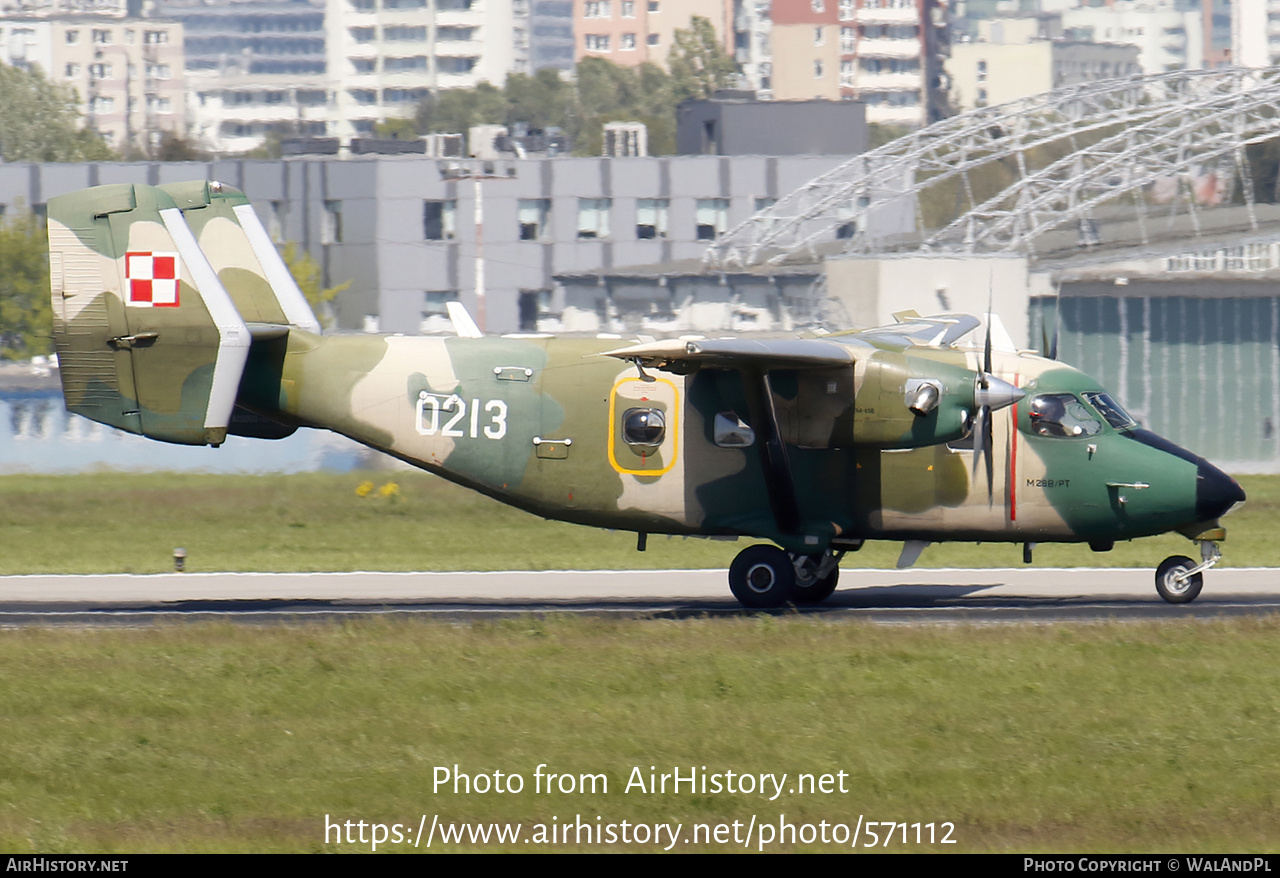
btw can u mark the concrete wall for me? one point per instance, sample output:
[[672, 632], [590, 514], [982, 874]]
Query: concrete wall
[[771, 128]]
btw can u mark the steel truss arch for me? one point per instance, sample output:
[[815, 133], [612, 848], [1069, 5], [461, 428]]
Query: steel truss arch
[[1144, 127]]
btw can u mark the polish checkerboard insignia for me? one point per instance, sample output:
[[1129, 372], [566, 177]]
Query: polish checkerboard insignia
[[151, 278]]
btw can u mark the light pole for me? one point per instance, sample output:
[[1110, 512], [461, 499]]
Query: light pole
[[476, 172]]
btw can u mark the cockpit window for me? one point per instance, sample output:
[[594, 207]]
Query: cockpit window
[[644, 427], [1111, 410], [1062, 415]]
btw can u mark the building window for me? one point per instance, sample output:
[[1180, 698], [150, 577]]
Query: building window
[[596, 42], [533, 304], [331, 230], [73, 36], [819, 36], [848, 38], [593, 217], [653, 6], [417, 62], [438, 220], [362, 34], [653, 39], [628, 9], [404, 32], [437, 302], [159, 71], [102, 37], [363, 65], [595, 9], [627, 42], [99, 71], [532, 214], [764, 203], [712, 218], [276, 220], [651, 218], [155, 37], [817, 69], [846, 10], [846, 72], [102, 104], [72, 70], [819, 6]]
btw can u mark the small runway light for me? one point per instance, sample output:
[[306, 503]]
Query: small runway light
[[179, 559]]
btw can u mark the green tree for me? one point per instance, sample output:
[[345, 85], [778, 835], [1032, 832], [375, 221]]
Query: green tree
[[455, 110], [699, 65], [307, 275], [608, 92], [40, 121], [543, 100], [26, 316], [395, 129]]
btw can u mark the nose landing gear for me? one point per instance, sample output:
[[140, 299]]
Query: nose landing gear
[[1179, 579]]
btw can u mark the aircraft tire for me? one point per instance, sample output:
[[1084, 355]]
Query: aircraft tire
[[762, 577], [816, 590], [1169, 587]]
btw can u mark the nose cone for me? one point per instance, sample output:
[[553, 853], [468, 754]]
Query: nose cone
[[1216, 492]]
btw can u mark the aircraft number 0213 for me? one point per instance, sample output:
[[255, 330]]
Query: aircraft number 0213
[[431, 407]]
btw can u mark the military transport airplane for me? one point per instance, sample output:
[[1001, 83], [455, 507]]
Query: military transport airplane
[[175, 318]]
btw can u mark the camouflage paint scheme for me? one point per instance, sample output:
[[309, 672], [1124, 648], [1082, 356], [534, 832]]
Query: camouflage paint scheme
[[834, 456]]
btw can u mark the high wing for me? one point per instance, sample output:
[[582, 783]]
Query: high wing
[[678, 355], [836, 349]]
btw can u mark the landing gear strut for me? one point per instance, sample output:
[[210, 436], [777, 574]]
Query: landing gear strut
[[816, 576], [1179, 579], [764, 577]]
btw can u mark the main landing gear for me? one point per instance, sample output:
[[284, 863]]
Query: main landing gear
[[1179, 579], [763, 577]]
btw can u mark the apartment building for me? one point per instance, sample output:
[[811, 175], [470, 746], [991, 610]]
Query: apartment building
[[631, 32], [253, 68], [1167, 37], [1020, 57], [384, 56], [886, 53], [128, 73]]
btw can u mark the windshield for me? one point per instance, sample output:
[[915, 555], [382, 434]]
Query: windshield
[[1111, 410], [1061, 415]]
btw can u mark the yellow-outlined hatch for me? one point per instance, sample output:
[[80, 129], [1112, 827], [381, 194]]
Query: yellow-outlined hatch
[[660, 394]]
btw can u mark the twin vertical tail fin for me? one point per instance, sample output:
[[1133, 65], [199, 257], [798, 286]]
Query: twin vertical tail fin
[[159, 296]]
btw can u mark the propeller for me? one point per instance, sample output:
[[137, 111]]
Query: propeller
[[989, 395]]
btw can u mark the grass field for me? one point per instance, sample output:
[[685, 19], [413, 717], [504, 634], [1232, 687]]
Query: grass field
[[1107, 737], [118, 522], [1119, 736]]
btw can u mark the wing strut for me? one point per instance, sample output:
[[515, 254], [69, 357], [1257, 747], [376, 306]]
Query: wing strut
[[773, 453]]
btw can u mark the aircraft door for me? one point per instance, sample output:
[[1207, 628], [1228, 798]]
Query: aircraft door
[[644, 418]]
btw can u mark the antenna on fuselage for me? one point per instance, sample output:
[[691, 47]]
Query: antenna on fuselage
[[463, 325]]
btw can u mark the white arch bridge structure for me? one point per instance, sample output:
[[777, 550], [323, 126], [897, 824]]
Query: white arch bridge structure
[[1140, 162]]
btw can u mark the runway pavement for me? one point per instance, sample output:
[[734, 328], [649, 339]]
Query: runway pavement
[[1004, 594]]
